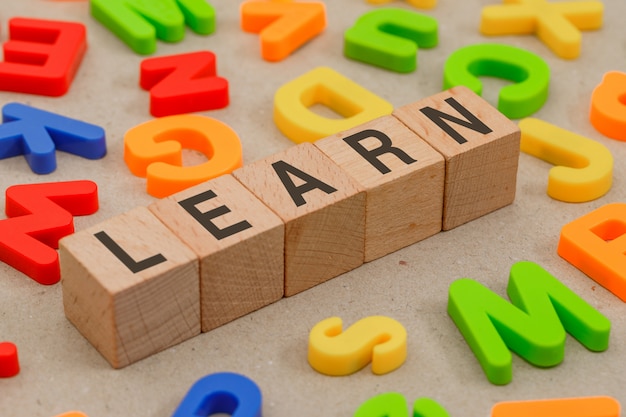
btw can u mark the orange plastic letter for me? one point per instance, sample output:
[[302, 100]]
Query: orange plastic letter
[[154, 150], [596, 244], [562, 407], [608, 106]]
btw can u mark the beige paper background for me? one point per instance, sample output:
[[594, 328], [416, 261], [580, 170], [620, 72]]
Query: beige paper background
[[62, 372]]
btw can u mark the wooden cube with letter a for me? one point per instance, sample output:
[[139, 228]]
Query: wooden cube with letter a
[[323, 210], [130, 286], [403, 178], [481, 148], [240, 244]]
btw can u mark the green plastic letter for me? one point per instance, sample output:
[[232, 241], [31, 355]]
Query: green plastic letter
[[392, 404], [389, 38], [533, 325], [138, 23], [528, 71]]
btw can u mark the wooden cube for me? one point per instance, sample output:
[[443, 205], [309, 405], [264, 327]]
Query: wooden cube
[[239, 241], [323, 210], [481, 148], [402, 176], [130, 286]]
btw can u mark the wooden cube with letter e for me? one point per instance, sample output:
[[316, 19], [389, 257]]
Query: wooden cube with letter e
[[240, 244], [130, 286], [481, 148], [323, 210], [403, 178]]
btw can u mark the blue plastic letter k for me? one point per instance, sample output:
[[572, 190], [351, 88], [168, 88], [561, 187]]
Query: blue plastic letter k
[[37, 134]]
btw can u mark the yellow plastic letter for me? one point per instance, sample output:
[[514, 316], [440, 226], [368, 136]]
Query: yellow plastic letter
[[376, 339], [584, 168], [325, 86]]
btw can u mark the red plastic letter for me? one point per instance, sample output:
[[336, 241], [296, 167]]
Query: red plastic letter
[[183, 83], [42, 56], [40, 215]]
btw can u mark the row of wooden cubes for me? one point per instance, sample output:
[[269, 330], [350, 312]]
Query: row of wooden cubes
[[155, 276]]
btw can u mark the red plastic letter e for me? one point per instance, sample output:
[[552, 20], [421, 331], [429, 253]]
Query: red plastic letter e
[[42, 56]]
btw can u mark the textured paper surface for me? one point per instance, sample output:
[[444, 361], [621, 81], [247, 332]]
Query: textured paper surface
[[61, 371]]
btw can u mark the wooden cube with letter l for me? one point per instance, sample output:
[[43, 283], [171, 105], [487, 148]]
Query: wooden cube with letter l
[[130, 286], [240, 244], [481, 148], [403, 178], [323, 210]]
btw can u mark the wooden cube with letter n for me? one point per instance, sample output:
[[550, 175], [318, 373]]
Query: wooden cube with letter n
[[481, 148], [240, 244], [130, 286], [403, 178], [323, 210]]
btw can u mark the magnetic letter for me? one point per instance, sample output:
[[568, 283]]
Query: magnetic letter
[[42, 56], [533, 324], [596, 243]]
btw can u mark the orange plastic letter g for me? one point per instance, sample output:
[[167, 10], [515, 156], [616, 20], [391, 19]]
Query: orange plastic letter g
[[154, 150], [596, 244]]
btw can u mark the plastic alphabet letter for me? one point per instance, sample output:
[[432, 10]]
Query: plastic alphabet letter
[[584, 167], [283, 26], [42, 56], [40, 215], [529, 73], [325, 86], [376, 339], [225, 392], [389, 38], [608, 106], [421, 4], [38, 133], [560, 407], [533, 325], [154, 150], [183, 83], [557, 24], [596, 243], [139, 23], [9, 362], [392, 404]]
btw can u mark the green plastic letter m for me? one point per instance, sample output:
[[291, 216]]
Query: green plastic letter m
[[533, 324]]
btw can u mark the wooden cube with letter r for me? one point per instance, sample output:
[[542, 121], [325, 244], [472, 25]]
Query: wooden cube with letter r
[[481, 148], [402, 176]]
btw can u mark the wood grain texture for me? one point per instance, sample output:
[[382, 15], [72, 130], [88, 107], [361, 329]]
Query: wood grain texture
[[481, 172], [240, 249], [324, 229], [402, 176], [128, 315]]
